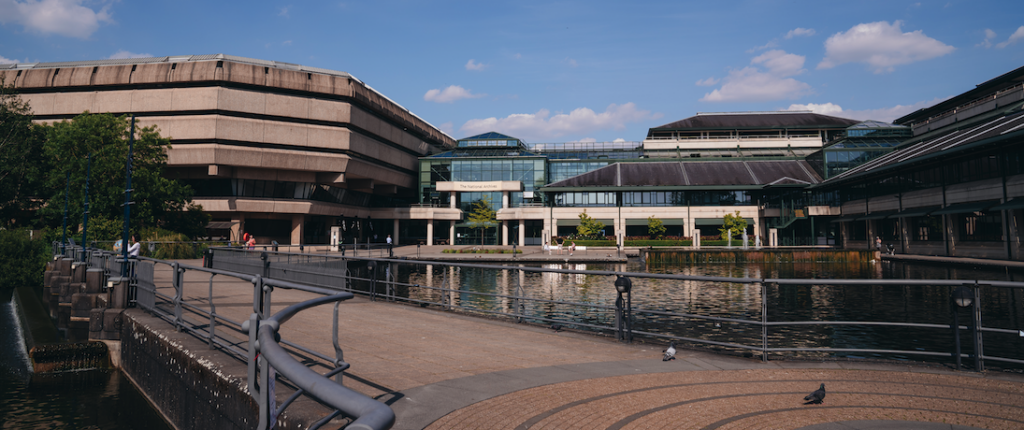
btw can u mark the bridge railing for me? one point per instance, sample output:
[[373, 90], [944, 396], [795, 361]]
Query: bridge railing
[[754, 332], [266, 355]]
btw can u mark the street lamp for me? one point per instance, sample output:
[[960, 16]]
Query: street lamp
[[966, 297], [623, 309]]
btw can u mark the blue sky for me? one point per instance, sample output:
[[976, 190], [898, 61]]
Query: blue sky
[[570, 70]]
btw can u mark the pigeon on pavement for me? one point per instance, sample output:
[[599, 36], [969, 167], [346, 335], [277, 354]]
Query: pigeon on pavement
[[670, 353], [556, 327], [816, 397]]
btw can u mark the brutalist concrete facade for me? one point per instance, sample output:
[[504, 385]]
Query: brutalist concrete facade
[[244, 119]]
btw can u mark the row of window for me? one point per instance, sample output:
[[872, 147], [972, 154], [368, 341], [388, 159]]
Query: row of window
[[289, 190], [653, 198], [984, 166], [971, 227]]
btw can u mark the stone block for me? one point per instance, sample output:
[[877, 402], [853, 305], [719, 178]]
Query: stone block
[[81, 304], [35, 78], [287, 106], [112, 75], [48, 276], [66, 291], [96, 322], [119, 295], [78, 271], [81, 76], [151, 73], [241, 129], [41, 104], [65, 266], [94, 281], [285, 133], [290, 79], [112, 320], [330, 110]]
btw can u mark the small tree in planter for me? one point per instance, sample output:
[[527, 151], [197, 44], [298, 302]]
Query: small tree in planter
[[589, 228], [482, 217], [732, 225], [655, 228]]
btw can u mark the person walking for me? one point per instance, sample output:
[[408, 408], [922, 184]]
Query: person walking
[[252, 242], [572, 248], [878, 243], [391, 252]]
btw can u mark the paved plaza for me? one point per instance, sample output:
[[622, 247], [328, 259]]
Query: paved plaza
[[443, 370]]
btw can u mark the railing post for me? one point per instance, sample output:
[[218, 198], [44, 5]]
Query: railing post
[[339, 355], [177, 294], [213, 314], [979, 364], [764, 321]]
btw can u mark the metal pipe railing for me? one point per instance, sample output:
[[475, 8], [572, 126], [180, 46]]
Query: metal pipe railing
[[515, 305]]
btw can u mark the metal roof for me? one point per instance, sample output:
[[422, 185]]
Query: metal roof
[[696, 174], [948, 143], [491, 135], [758, 120]]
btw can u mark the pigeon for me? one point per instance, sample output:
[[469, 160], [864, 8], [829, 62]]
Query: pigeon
[[556, 327], [816, 397], [670, 353]]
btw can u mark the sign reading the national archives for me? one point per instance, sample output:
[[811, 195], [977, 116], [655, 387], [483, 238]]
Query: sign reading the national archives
[[480, 186]]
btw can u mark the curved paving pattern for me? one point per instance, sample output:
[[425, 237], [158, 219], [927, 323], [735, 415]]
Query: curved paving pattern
[[749, 399]]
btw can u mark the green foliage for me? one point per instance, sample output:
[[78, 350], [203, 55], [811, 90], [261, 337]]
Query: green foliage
[[589, 228], [482, 217], [655, 227], [22, 260], [20, 157], [686, 242], [732, 226], [105, 137]]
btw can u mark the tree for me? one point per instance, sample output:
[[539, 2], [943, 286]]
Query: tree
[[66, 150], [655, 228], [732, 225], [589, 228], [482, 216], [20, 157]]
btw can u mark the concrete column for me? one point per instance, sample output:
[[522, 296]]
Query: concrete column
[[297, 225], [237, 227], [451, 233], [430, 232], [451, 198], [394, 234], [504, 199], [504, 233], [773, 237], [696, 238], [522, 233]]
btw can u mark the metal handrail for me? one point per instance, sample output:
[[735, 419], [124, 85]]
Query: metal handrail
[[517, 312], [366, 412]]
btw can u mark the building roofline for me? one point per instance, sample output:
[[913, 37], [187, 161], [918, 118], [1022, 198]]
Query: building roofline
[[212, 57]]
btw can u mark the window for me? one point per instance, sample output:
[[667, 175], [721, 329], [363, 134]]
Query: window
[[981, 226], [927, 228]]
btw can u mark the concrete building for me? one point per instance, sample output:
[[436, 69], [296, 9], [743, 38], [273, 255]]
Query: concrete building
[[280, 150]]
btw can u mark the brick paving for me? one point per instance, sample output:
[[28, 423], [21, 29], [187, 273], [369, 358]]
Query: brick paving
[[442, 370]]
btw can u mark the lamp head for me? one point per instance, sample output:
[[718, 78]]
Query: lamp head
[[963, 297], [623, 284]]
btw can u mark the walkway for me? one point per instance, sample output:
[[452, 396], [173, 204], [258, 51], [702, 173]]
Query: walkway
[[444, 370]]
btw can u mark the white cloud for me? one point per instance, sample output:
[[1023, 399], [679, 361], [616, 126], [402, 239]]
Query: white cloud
[[752, 84], [769, 45], [707, 82], [800, 32], [781, 63], [518, 56], [64, 17], [542, 125], [4, 60], [989, 35], [886, 114], [122, 54], [473, 65], [450, 95], [1017, 35], [882, 46], [619, 140], [284, 11], [571, 62]]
